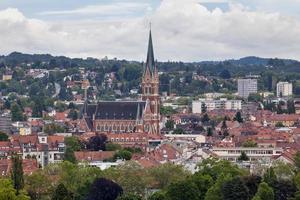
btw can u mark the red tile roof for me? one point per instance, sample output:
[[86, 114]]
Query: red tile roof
[[93, 155]]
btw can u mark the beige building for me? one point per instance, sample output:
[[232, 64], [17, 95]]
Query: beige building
[[284, 89]]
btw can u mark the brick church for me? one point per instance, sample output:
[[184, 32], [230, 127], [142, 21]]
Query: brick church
[[142, 115]]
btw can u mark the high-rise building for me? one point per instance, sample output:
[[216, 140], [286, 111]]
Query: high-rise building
[[284, 89], [246, 87]]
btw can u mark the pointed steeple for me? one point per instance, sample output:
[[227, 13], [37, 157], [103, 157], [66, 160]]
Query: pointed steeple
[[150, 63]]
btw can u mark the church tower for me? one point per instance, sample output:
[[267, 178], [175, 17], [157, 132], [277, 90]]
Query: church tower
[[150, 92]]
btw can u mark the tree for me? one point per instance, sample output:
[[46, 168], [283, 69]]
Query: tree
[[297, 160], [243, 157], [290, 107], [61, 193], [178, 131], [7, 191], [166, 174], [264, 192], [252, 182], [183, 190], [209, 132], [235, 189], [203, 182], [158, 196], [224, 125], [215, 191], [170, 124], [225, 74], [97, 142], [73, 114], [129, 196], [205, 118], [269, 176], [123, 154], [249, 143], [3, 136], [130, 176], [283, 189], [72, 144], [238, 117], [16, 113], [279, 124], [104, 189], [203, 108], [38, 185], [17, 173], [112, 146]]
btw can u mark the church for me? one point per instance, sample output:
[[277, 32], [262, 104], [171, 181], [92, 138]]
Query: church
[[142, 115]]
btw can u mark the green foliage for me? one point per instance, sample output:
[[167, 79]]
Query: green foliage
[[38, 185], [186, 189], [61, 193], [16, 113], [72, 144], [129, 196], [123, 154], [279, 124], [297, 160], [158, 196], [53, 128], [235, 189], [238, 117], [3, 136], [270, 176], [73, 114], [104, 189], [215, 191], [112, 146], [170, 124], [203, 182], [255, 97], [178, 131], [215, 168], [7, 191], [243, 157], [17, 173], [264, 192], [165, 174], [249, 143], [167, 110]]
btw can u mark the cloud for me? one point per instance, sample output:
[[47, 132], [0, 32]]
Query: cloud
[[182, 30], [118, 8]]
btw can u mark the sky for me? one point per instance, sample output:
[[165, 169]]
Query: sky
[[182, 30]]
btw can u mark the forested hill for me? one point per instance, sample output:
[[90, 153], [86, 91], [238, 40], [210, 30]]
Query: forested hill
[[238, 67], [17, 58]]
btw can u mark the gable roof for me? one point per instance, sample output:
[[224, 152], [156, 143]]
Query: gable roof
[[126, 110]]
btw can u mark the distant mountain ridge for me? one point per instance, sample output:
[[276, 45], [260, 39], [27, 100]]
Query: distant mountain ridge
[[252, 60], [17, 58]]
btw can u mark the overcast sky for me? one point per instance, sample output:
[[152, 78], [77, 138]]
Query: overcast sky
[[185, 30]]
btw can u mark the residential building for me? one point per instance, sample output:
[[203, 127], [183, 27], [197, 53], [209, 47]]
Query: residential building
[[253, 153], [221, 104], [247, 87], [46, 149], [284, 89]]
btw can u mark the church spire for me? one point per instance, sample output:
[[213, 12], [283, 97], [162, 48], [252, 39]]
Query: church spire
[[150, 63]]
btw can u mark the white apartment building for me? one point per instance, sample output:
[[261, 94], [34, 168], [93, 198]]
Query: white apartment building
[[254, 153], [246, 87], [46, 149], [212, 104], [284, 89]]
